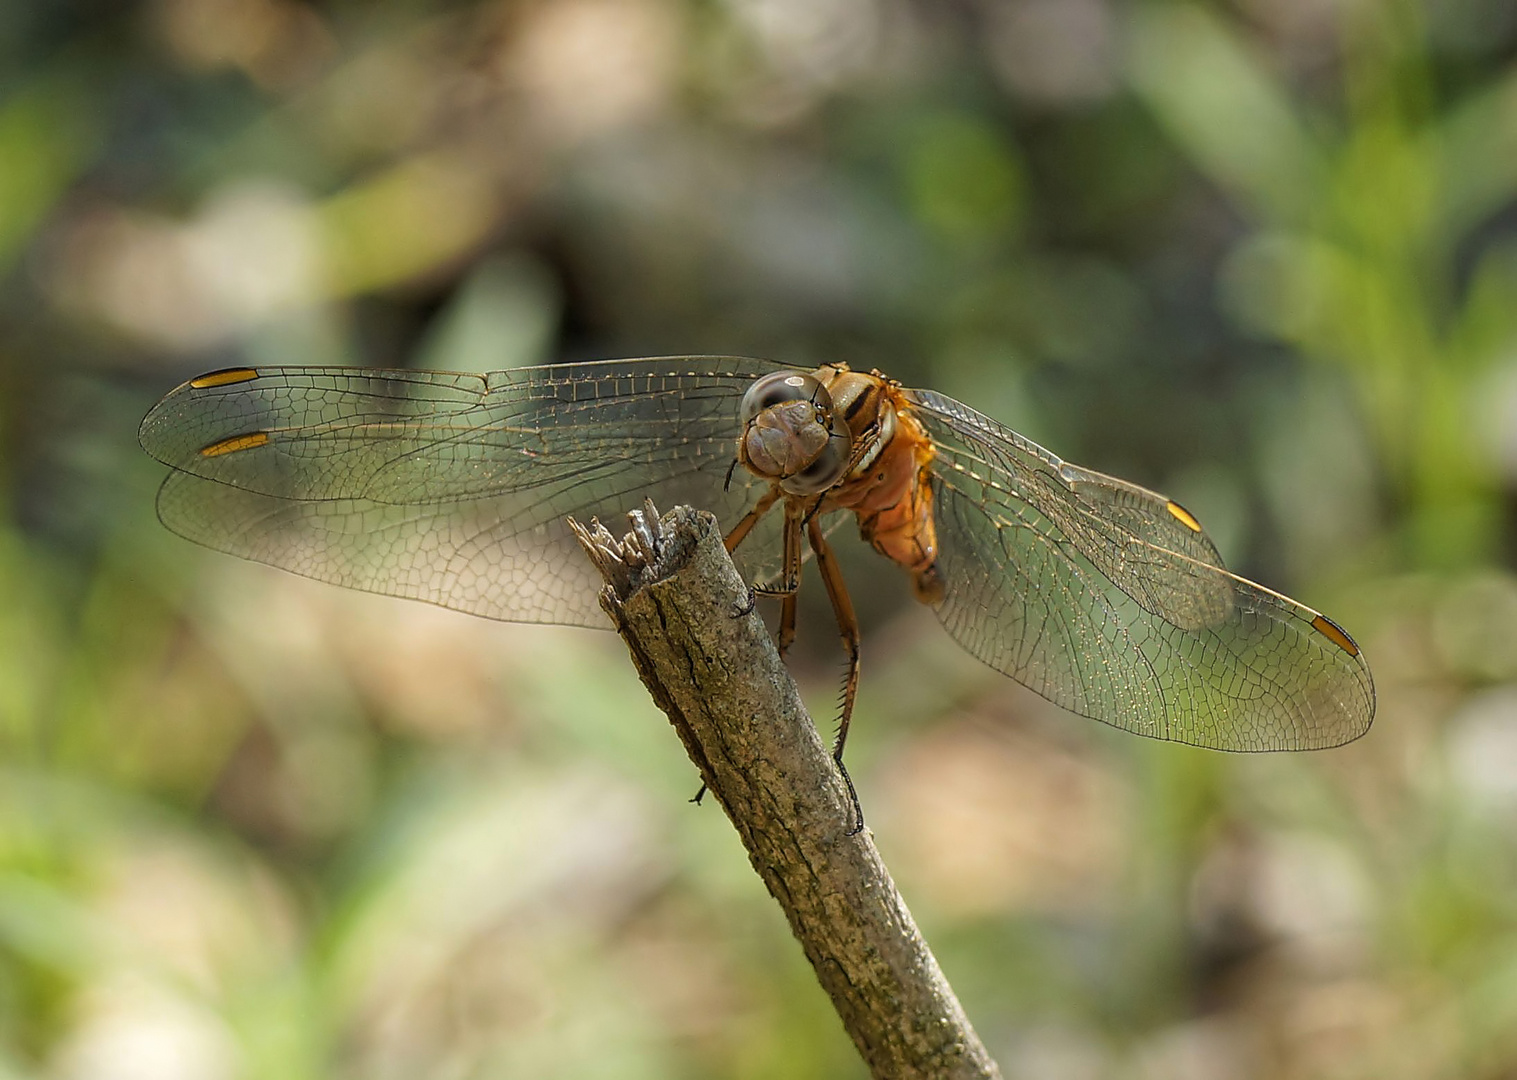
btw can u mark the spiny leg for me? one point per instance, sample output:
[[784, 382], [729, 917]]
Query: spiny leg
[[745, 526], [790, 577], [848, 625], [848, 629], [740, 532]]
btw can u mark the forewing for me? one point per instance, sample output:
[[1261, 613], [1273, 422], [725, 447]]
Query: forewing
[[452, 488], [1109, 600]]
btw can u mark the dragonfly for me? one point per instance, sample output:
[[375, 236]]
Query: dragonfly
[[1102, 596]]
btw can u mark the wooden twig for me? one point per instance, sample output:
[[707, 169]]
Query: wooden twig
[[679, 603]]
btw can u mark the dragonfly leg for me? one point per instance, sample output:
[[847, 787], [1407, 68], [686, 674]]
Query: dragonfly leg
[[741, 530], [848, 628], [748, 604], [790, 579]]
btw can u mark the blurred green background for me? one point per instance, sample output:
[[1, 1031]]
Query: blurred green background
[[1261, 255]]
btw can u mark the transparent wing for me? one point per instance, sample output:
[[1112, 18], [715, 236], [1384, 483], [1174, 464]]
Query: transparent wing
[[1109, 600], [452, 488]]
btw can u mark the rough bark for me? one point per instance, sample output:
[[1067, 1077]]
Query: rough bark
[[678, 602]]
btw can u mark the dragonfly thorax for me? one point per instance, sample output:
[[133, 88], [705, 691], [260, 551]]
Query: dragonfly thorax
[[864, 405]]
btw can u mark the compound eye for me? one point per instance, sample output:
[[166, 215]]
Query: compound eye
[[780, 387], [823, 472]]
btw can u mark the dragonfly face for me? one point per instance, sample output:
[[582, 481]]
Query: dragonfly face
[[792, 433], [1101, 595]]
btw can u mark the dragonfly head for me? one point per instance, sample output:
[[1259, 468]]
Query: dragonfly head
[[792, 434]]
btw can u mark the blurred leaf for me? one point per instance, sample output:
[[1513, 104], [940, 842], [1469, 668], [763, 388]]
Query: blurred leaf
[[963, 178], [404, 222], [1477, 148], [504, 316], [1228, 110], [45, 922], [46, 135]]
